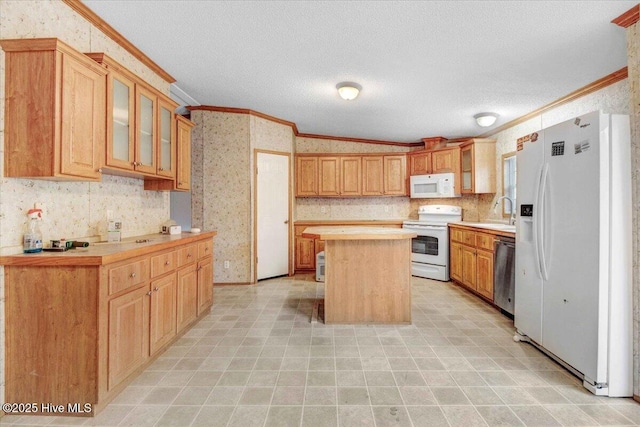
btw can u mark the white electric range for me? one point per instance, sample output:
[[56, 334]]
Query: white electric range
[[430, 249]]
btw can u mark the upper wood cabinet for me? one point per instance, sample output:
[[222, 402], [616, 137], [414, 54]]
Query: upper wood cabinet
[[350, 175], [141, 135], [183, 158], [329, 176], [306, 176], [419, 163], [446, 160], [478, 166], [372, 176], [182, 182], [395, 175], [54, 111], [441, 160]]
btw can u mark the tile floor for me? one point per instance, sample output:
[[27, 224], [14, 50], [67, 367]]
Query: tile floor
[[258, 361]]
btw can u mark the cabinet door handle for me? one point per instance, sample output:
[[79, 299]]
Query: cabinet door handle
[[155, 289], [199, 268], [149, 293], [132, 275], [160, 169]]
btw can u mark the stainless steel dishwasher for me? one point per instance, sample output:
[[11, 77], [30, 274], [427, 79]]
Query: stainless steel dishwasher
[[504, 264]]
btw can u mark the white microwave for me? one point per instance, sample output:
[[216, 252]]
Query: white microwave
[[432, 186]]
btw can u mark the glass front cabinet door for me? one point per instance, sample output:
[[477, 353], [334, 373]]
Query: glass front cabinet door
[[120, 145], [167, 140], [146, 121]]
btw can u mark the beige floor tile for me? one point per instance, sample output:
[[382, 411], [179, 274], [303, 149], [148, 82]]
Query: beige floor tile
[[450, 396], [249, 416], [535, 416], [462, 416], [320, 416], [355, 416], [499, 416]]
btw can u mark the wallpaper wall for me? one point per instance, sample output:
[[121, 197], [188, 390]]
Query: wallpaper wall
[[221, 199], [74, 210]]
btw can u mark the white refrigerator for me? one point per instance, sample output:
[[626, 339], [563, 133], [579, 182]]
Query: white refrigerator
[[573, 296]]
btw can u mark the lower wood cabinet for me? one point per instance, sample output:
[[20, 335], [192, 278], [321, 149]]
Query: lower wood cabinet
[[129, 334], [163, 312], [471, 262], [187, 296], [80, 326], [205, 285]]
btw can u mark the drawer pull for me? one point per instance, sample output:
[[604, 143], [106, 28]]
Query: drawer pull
[[188, 255], [166, 263], [132, 275], [206, 248]]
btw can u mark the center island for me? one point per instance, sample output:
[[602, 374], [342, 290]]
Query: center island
[[367, 274]]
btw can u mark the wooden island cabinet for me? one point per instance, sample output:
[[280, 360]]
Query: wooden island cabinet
[[81, 324], [306, 248]]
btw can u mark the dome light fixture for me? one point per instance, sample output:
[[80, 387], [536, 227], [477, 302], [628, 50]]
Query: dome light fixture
[[485, 119], [348, 90]]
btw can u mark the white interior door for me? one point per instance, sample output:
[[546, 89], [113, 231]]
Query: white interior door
[[272, 213]]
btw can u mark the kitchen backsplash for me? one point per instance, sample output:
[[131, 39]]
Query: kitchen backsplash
[[370, 208], [78, 210]]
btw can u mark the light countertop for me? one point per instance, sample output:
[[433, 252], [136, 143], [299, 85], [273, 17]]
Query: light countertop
[[503, 229], [357, 233], [107, 252]]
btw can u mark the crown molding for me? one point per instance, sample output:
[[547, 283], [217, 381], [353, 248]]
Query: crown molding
[[628, 18], [295, 128], [111, 32], [607, 80]]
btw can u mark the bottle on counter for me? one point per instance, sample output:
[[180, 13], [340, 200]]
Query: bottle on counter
[[33, 237]]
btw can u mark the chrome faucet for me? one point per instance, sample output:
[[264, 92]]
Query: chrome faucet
[[512, 218]]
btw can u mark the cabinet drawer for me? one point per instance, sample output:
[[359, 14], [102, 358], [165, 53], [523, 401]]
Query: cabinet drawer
[[205, 248], [469, 238], [484, 241], [187, 255], [128, 275], [456, 235], [163, 263]]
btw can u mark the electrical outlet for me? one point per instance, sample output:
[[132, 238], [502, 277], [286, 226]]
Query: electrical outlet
[[226, 264]]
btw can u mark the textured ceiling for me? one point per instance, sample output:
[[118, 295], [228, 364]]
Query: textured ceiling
[[426, 67]]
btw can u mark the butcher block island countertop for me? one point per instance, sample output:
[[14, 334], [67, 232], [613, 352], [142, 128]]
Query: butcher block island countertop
[[367, 274], [81, 325]]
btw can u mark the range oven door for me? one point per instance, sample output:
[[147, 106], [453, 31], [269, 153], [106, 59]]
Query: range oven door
[[431, 246]]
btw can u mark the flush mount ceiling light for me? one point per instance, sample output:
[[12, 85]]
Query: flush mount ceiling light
[[485, 119], [348, 90]]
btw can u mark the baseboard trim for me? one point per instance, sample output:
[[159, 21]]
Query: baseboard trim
[[231, 283]]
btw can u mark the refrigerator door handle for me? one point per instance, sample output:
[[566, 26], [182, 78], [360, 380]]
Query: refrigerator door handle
[[536, 222], [540, 238]]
